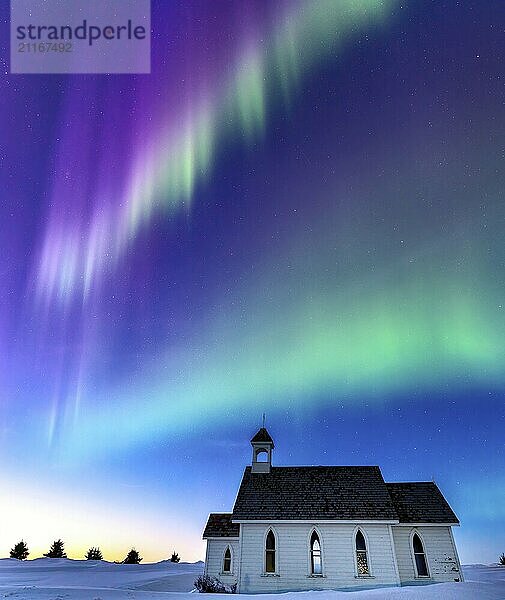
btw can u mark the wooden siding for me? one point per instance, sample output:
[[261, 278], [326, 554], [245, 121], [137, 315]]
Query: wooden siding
[[293, 562], [215, 554], [441, 554]]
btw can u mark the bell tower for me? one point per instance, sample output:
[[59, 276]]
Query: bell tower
[[262, 445]]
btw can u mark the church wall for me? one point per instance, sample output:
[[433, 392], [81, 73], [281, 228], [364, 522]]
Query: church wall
[[441, 554], [216, 548], [293, 558]]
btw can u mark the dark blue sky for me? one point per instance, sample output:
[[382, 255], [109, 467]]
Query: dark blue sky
[[299, 212]]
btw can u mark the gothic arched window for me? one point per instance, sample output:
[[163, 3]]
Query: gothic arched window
[[316, 565], [270, 552], [227, 560], [419, 556], [361, 554]]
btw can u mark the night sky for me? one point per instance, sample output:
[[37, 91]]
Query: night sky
[[299, 212]]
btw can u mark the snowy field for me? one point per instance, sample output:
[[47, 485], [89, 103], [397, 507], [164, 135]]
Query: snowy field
[[62, 579]]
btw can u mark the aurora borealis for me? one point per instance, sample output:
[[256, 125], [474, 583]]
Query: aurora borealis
[[299, 212]]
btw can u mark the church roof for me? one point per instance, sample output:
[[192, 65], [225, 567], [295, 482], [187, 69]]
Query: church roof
[[262, 436], [340, 493], [314, 493], [220, 525], [420, 502], [326, 493]]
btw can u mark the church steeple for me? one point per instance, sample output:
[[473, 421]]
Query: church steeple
[[262, 445]]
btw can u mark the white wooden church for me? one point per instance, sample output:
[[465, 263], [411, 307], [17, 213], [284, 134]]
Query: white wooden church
[[310, 528]]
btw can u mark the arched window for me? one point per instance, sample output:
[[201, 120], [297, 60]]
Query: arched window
[[261, 455], [227, 560], [270, 552], [361, 554], [316, 565], [419, 556]]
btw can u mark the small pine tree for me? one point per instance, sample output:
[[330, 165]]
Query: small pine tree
[[132, 558], [20, 551], [94, 554], [502, 559], [175, 558], [57, 550]]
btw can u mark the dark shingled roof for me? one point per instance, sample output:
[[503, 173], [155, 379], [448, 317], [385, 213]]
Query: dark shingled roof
[[220, 525], [420, 502], [263, 436], [285, 493]]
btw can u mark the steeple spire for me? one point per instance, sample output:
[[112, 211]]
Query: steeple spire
[[262, 444]]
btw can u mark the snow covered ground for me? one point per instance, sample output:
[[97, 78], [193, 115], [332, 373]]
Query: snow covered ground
[[62, 579]]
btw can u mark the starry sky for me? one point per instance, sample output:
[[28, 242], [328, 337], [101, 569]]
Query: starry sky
[[298, 212]]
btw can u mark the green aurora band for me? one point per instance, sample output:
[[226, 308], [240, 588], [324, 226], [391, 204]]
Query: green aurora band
[[423, 320], [333, 322]]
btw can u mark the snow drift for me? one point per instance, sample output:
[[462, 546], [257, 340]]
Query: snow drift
[[64, 579]]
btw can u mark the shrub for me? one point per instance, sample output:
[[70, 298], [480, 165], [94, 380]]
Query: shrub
[[502, 559], [211, 585], [175, 557], [20, 551]]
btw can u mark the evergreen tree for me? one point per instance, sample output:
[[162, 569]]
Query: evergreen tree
[[175, 557], [502, 559], [20, 551], [94, 554], [132, 558], [57, 550]]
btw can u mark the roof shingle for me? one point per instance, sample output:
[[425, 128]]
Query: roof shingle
[[420, 502], [290, 493], [220, 525]]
